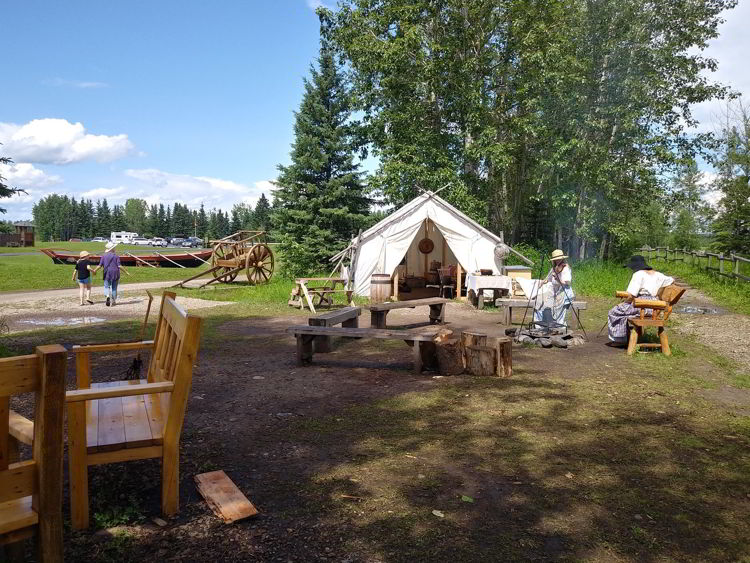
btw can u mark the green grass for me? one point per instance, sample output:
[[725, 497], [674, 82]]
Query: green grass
[[600, 279], [732, 294], [37, 271]]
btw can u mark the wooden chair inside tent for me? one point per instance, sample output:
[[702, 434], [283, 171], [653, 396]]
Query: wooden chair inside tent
[[31, 490], [660, 311], [127, 420]]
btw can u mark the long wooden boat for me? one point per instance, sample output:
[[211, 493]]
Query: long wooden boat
[[187, 258]]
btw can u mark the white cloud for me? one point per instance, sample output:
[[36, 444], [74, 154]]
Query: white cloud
[[109, 193], [157, 186], [25, 175], [315, 4], [58, 141], [730, 50], [75, 83]]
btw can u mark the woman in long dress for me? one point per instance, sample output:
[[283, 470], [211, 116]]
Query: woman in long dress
[[644, 284], [559, 300]]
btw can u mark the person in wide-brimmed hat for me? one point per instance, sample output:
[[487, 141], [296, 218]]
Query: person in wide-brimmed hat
[[644, 284], [560, 277], [82, 271], [110, 262]]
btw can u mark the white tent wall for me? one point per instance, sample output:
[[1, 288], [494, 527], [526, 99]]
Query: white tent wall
[[383, 246]]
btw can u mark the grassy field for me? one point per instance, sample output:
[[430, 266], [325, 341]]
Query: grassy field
[[37, 271]]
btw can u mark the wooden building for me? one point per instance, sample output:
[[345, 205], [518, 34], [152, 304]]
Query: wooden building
[[24, 235]]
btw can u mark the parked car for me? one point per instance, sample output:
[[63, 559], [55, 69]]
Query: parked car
[[177, 241], [140, 241], [158, 241], [192, 242], [75, 240], [99, 239]]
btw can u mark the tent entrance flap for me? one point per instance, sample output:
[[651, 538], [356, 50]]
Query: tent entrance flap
[[419, 263]]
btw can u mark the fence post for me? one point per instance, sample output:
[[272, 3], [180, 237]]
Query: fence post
[[721, 263], [736, 266]]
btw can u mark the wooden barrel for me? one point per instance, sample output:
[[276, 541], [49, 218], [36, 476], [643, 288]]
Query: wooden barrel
[[380, 288]]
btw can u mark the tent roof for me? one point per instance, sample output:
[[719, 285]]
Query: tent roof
[[414, 204]]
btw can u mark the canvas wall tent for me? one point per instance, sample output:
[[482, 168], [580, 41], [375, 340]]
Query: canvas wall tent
[[457, 239]]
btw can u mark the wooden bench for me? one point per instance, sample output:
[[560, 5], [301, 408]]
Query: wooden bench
[[31, 489], [307, 334], [127, 420], [660, 311], [509, 304], [379, 311], [348, 317]]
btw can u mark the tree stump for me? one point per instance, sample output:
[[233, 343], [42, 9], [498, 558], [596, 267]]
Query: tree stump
[[481, 360], [469, 338], [504, 347], [450, 356]]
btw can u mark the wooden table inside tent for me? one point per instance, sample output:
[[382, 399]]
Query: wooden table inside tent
[[308, 290]]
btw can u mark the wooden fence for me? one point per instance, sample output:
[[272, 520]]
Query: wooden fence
[[709, 261]]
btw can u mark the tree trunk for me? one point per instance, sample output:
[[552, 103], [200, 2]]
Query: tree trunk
[[481, 360], [450, 356], [504, 347]]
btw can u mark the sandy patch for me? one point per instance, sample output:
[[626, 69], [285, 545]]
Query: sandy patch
[[29, 315]]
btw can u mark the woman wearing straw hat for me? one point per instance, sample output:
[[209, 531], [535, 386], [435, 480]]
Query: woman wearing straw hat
[[560, 277], [83, 272]]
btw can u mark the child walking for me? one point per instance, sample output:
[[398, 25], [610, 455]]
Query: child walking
[[83, 271]]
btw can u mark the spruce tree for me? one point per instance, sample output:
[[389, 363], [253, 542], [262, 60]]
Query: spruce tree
[[321, 201], [261, 217]]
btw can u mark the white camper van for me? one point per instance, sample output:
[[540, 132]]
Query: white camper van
[[122, 237]]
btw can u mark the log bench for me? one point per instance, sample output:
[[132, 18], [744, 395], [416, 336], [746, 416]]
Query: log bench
[[348, 317], [423, 344], [379, 311], [509, 304]]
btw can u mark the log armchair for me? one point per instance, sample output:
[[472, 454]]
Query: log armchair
[[128, 420], [660, 311], [31, 490]]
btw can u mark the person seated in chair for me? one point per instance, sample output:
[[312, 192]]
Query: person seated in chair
[[644, 284], [560, 277]]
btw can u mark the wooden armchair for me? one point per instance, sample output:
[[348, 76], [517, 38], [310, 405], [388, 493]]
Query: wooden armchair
[[127, 420], [447, 281], [31, 490], [660, 311]]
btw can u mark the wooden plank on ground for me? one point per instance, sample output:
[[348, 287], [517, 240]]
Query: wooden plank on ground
[[21, 428], [223, 496]]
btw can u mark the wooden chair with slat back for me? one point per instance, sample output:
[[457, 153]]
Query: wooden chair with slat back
[[31, 490], [127, 420], [447, 282], [660, 311]]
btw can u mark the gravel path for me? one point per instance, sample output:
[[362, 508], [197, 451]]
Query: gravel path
[[726, 333]]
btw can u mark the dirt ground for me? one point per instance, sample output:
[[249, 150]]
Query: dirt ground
[[59, 312], [584, 454]]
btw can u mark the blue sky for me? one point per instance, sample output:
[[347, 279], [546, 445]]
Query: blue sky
[[177, 101]]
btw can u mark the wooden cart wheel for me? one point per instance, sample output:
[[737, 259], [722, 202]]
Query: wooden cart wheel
[[223, 252], [259, 264]]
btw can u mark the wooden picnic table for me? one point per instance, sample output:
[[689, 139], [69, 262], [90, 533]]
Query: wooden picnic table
[[379, 311], [307, 290]]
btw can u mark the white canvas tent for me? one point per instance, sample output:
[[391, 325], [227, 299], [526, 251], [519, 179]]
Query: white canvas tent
[[457, 239]]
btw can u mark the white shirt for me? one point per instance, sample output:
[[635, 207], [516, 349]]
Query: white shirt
[[566, 277], [643, 282]]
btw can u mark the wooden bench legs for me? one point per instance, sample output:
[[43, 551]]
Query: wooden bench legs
[[377, 319], [322, 344], [437, 314], [636, 333], [422, 352]]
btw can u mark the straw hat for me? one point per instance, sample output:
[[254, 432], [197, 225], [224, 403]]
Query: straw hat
[[83, 254], [557, 255], [110, 246]]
